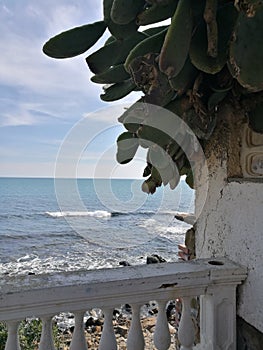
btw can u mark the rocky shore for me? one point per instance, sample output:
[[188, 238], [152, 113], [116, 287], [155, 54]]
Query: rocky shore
[[121, 322]]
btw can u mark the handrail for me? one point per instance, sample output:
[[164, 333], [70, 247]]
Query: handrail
[[50, 294]]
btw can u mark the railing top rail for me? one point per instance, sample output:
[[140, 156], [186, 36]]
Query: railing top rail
[[214, 269], [49, 293]]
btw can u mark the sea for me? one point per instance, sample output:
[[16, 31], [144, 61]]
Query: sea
[[49, 225]]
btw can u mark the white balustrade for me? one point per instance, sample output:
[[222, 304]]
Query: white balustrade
[[108, 340], [186, 332], [45, 295], [162, 337], [78, 339], [46, 340], [135, 340], [12, 339]]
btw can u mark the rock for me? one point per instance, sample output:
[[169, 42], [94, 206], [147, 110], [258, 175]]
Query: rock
[[148, 323], [190, 242], [186, 217], [127, 308], [96, 329], [98, 322], [154, 259], [122, 331], [124, 263], [170, 309], [90, 322], [172, 329]]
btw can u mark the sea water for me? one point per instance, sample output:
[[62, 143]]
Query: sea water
[[45, 227]]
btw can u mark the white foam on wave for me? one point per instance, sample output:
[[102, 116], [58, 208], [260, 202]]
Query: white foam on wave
[[96, 213]]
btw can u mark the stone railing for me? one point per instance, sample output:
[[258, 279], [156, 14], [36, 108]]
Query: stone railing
[[44, 296]]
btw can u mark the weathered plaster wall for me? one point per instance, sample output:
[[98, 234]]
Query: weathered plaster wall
[[232, 225], [231, 222]]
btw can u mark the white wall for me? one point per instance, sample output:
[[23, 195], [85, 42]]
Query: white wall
[[231, 225]]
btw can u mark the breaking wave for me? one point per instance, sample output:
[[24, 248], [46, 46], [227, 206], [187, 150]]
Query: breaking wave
[[105, 214], [96, 213]]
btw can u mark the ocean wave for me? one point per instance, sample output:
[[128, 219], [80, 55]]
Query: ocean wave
[[16, 216], [96, 213], [106, 214]]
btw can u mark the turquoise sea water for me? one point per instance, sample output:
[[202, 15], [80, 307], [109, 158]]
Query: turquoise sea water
[[67, 225]]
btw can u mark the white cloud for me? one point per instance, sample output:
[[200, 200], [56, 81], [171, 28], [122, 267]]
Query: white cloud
[[22, 62], [38, 90]]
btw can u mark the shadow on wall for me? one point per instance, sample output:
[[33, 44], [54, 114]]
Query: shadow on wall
[[248, 337]]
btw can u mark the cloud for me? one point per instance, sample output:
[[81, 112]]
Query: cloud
[[42, 98], [25, 67], [17, 115]]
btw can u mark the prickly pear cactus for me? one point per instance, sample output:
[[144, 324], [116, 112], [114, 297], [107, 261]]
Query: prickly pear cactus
[[209, 54]]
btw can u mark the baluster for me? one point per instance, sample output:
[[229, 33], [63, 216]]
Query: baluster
[[108, 340], [12, 338], [135, 340], [78, 341], [186, 331], [162, 337], [46, 340]]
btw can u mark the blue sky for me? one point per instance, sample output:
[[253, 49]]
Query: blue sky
[[43, 99]]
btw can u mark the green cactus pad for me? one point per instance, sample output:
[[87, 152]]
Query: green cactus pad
[[158, 157], [115, 74], [226, 19], [118, 91], [113, 54], [147, 170], [149, 136], [176, 44], [157, 13], [185, 78], [246, 54], [125, 11], [127, 145], [154, 30], [190, 179], [75, 41], [110, 40], [119, 31], [150, 44]]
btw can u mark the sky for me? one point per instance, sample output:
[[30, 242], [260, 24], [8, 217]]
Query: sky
[[43, 101]]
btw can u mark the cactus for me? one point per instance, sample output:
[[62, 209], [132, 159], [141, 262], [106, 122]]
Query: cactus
[[113, 53], [119, 31], [246, 55], [226, 19], [177, 40], [115, 74], [209, 55], [75, 41], [125, 11], [185, 78], [127, 144], [155, 85], [157, 13], [152, 44], [117, 91], [154, 30], [149, 135]]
